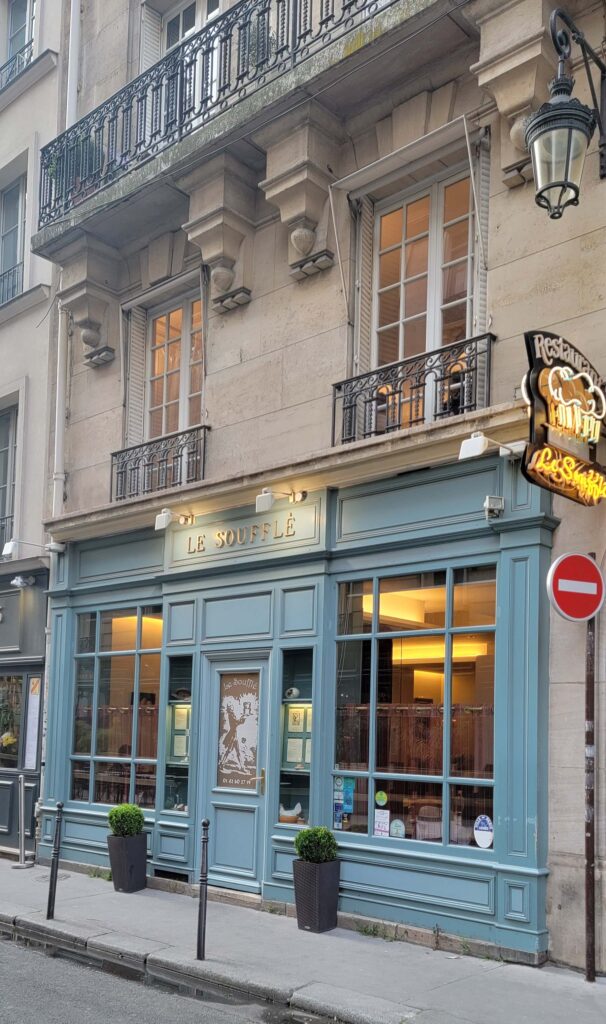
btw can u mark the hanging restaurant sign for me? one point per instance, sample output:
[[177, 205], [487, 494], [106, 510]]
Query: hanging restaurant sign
[[567, 409]]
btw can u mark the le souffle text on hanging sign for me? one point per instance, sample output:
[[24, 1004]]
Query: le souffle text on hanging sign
[[567, 410]]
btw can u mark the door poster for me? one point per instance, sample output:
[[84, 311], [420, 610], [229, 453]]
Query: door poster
[[238, 730], [33, 718]]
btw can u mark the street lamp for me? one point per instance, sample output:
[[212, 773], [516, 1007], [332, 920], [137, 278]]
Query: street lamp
[[560, 131]]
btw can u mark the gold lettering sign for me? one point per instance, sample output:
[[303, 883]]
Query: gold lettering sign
[[243, 536], [567, 475]]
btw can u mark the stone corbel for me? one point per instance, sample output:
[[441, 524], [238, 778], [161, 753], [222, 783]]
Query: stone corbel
[[90, 275]]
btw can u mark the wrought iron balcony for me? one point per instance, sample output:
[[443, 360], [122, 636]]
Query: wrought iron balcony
[[448, 381], [16, 64], [6, 530], [11, 283], [233, 56], [171, 461]]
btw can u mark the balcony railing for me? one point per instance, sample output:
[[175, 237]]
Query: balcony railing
[[448, 381], [6, 530], [233, 56], [16, 64], [171, 461], [11, 283]]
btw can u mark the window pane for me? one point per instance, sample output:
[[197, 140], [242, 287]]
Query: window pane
[[353, 698], [455, 241], [410, 705], [454, 282], [115, 711], [297, 725], [474, 596], [416, 257], [350, 804], [155, 423], [18, 14], [151, 627], [149, 705], [11, 695], [159, 330], [472, 735], [415, 297], [174, 355], [408, 810], [87, 625], [417, 217], [189, 18], [80, 780], [172, 387], [389, 306], [112, 783], [195, 410], [83, 709], [355, 607], [415, 336], [389, 268], [156, 393], [389, 341], [413, 602], [119, 630], [145, 785], [467, 805], [175, 322], [196, 313], [158, 362], [195, 379], [454, 324], [195, 350], [172, 32], [456, 200], [391, 229], [9, 257], [172, 418], [10, 208]]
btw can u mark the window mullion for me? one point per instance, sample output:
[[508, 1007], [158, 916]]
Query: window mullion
[[186, 323], [446, 735], [434, 262]]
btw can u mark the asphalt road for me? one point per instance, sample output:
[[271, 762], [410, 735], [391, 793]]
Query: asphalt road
[[36, 987]]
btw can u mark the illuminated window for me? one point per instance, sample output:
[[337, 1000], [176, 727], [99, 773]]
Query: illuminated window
[[174, 398]]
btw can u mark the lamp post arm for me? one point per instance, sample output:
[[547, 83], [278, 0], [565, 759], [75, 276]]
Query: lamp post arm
[[561, 41]]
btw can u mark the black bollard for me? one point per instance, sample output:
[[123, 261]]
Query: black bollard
[[50, 910], [200, 954]]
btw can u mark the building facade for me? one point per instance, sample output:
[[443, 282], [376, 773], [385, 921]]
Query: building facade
[[299, 252], [29, 48]]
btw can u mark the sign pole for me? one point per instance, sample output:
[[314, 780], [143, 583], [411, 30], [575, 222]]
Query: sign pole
[[590, 800]]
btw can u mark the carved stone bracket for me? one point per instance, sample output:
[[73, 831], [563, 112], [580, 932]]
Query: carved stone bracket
[[89, 280]]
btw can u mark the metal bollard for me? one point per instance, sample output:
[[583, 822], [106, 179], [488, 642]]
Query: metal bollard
[[201, 950], [50, 910], [23, 863]]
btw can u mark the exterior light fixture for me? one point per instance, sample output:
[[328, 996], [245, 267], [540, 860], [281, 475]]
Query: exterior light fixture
[[12, 546], [478, 444], [163, 519], [22, 582], [265, 500], [560, 131]]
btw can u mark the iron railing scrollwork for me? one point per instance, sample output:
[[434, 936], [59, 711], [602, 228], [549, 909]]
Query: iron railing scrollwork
[[233, 56], [11, 283], [6, 530], [16, 64], [171, 461], [444, 382]]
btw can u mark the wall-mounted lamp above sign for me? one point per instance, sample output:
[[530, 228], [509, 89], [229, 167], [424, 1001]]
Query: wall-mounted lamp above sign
[[567, 409]]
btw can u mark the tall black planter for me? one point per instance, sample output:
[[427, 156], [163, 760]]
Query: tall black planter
[[128, 861], [316, 894]]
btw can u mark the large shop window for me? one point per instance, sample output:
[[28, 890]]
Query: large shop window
[[414, 757], [175, 375], [295, 767], [116, 706]]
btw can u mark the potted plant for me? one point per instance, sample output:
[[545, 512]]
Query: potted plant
[[127, 847], [316, 876]]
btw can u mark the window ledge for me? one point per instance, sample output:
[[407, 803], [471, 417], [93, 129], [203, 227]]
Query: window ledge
[[34, 71], [26, 300]]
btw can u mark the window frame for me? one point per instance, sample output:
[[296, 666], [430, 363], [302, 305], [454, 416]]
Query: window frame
[[21, 184], [434, 186], [11, 470], [28, 26], [177, 11], [185, 302], [445, 779]]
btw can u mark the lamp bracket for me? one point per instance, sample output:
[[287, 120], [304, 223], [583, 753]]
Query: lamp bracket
[[561, 38]]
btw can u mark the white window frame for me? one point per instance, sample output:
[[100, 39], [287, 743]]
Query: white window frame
[[434, 186], [172, 13], [21, 184], [184, 302], [12, 411], [29, 27]]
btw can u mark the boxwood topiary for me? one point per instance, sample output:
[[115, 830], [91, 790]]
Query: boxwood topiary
[[126, 820], [316, 845]]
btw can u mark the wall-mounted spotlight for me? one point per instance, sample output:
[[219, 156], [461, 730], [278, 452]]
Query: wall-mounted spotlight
[[478, 444], [12, 546], [265, 500], [166, 516], [22, 582]]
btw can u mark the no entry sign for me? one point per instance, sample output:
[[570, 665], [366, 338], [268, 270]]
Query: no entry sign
[[575, 587]]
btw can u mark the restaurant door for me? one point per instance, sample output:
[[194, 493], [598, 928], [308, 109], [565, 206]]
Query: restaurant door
[[20, 713]]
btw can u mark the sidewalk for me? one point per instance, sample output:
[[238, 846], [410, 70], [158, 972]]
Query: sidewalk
[[342, 974]]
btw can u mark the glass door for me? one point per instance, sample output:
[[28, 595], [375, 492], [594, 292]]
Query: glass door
[[20, 713]]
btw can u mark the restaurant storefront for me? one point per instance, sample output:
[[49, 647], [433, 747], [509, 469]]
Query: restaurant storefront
[[373, 659]]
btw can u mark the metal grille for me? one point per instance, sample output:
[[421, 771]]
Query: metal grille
[[446, 382], [233, 56], [16, 64], [6, 530], [171, 461], [11, 283]]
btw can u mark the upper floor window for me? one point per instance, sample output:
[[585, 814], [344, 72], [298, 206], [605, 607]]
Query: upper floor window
[[165, 25], [20, 21], [175, 369], [8, 450], [424, 271], [12, 209], [178, 24]]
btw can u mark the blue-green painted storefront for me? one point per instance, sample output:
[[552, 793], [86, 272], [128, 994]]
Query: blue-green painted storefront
[[237, 603]]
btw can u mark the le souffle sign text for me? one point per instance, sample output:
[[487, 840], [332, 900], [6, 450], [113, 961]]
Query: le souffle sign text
[[243, 535], [567, 409]]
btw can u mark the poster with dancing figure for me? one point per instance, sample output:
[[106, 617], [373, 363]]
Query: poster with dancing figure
[[238, 730]]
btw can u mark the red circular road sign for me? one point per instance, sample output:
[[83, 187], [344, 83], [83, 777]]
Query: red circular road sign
[[575, 587]]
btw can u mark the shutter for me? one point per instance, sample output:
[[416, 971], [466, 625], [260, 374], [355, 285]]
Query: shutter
[[151, 37], [482, 176], [135, 387], [366, 225]]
